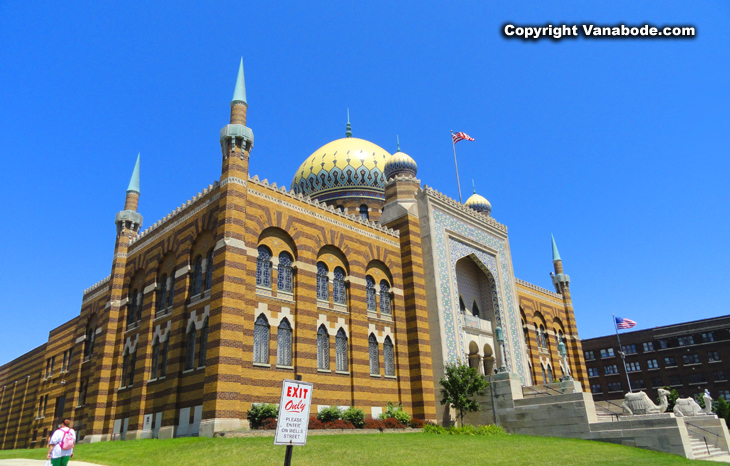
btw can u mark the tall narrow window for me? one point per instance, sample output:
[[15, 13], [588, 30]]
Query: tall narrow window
[[370, 289], [384, 298], [132, 363], [284, 280], [197, 275], [543, 337], [341, 351], [550, 374], [475, 309], [155, 358], [89, 343], [208, 272], [364, 212], [163, 357], [544, 376], [162, 294], [132, 308], [339, 294], [323, 348], [261, 340], [140, 305], [190, 348], [171, 289], [462, 306], [202, 359], [125, 367], [322, 282], [374, 355], [283, 343], [263, 267], [388, 357]]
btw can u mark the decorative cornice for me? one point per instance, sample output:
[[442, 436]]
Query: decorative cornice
[[538, 289], [94, 287], [464, 209], [233, 179]]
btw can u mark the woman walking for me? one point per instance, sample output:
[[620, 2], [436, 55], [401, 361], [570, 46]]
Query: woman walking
[[61, 445]]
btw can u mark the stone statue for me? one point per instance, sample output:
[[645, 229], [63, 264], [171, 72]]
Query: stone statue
[[708, 402], [689, 407], [640, 403]]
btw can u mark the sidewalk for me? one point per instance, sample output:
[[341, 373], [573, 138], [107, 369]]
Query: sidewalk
[[24, 462]]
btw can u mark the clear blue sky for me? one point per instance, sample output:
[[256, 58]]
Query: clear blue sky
[[617, 146]]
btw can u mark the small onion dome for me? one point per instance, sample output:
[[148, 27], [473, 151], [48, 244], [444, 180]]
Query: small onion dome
[[400, 163], [479, 203]]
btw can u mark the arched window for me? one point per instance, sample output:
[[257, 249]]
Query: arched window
[[125, 367], [132, 358], [388, 357], [162, 294], [263, 267], [261, 340], [132, 308], [475, 309], [339, 293], [323, 348], [197, 275], [550, 374], [171, 289], [283, 344], [284, 273], [462, 306], [543, 337], [89, 343], [364, 212], [370, 289], [140, 305], [155, 357], [322, 282], [190, 348], [203, 357], [374, 355], [208, 271], [341, 351], [544, 376], [163, 362], [384, 297]]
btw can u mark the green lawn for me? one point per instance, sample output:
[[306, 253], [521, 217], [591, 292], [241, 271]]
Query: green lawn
[[416, 449]]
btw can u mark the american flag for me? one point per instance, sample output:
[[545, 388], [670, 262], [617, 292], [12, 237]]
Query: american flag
[[622, 323], [456, 137]]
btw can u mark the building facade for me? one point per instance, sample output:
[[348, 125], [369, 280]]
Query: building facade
[[688, 357], [357, 279]]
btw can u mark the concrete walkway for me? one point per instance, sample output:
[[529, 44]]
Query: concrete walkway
[[24, 462]]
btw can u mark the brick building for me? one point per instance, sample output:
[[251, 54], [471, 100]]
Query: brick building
[[688, 357], [357, 278]]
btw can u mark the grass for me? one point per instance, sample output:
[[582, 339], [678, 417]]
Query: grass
[[415, 449]]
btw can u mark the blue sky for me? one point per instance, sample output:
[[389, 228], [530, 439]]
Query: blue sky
[[616, 146]]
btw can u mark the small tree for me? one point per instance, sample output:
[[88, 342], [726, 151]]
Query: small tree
[[722, 409], [460, 383]]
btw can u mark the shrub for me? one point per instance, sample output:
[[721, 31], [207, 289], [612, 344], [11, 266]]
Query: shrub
[[355, 416], [417, 423], [463, 430], [371, 423], [392, 423], [260, 412], [339, 424], [489, 430], [332, 413], [315, 423], [268, 424], [396, 412], [434, 429]]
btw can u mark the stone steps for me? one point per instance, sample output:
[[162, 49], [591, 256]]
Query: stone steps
[[700, 449]]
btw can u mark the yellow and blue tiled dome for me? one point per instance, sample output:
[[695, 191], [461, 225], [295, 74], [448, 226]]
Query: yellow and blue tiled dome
[[347, 167], [479, 203], [400, 163]]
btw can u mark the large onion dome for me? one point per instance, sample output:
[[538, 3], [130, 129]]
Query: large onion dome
[[479, 203], [400, 163]]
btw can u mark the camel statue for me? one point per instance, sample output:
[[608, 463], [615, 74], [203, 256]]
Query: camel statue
[[640, 403], [689, 407]]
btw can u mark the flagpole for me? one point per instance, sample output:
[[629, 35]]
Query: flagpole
[[621, 353], [453, 144]]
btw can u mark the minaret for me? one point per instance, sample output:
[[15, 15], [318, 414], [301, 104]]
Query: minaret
[[128, 220], [236, 138]]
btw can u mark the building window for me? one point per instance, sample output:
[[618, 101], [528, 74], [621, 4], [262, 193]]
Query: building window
[[638, 384], [629, 349], [283, 344], [652, 364], [592, 372], [550, 374], [615, 387], [724, 394], [203, 356], [171, 289], [462, 306], [162, 294], [544, 375], [261, 340], [697, 378], [385, 308], [89, 342], [190, 348], [66, 360], [374, 355], [208, 283], [691, 358], [155, 357], [197, 275], [128, 363], [263, 267], [388, 357], [323, 348], [475, 309], [543, 340], [719, 376], [648, 346], [163, 357], [713, 356], [607, 353], [589, 355], [675, 380], [341, 351], [656, 382], [686, 341], [612, 369], [669, 361], [707, 337], [339, 293], [284, 278], [596, 388], [663, 344], [322, 282], [370, 290], [364, 212], [633, 367]]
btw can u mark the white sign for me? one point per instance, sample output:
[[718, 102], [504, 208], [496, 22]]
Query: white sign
[[147, 422], [296, 401]]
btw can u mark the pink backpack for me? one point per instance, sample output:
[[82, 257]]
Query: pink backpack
[[67, 442]]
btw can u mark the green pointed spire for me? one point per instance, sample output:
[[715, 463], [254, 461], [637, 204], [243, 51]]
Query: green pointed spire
[[239, 94], [397, 138], [556, 254], [473, 186], [348, 133], [134, 182]]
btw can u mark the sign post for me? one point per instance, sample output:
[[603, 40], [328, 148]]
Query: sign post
[[293, 421]]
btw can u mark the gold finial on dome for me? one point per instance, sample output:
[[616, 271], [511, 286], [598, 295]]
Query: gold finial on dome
[[348, 133]]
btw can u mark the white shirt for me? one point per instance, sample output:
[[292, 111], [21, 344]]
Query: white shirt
[[56, 440]]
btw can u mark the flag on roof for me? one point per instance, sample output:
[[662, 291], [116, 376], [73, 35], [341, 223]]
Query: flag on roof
[[456, 137], [622, 323]]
